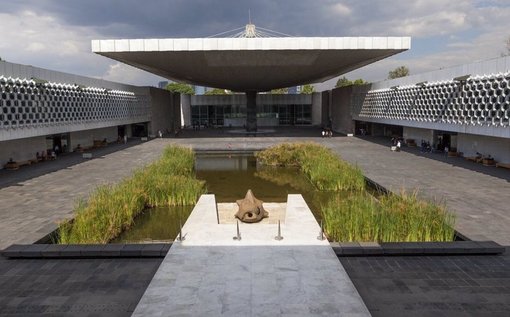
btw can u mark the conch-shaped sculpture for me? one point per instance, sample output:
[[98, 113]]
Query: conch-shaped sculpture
[[251, 209]]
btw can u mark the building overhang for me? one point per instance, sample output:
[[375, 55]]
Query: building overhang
[[247, 64]]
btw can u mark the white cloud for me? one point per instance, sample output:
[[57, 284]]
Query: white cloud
[[341, 9], [36, 47], [123, 73], [39, 39]]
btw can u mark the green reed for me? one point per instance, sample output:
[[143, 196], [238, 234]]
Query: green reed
[[110, 209], [324, 168], [358, 216], [394, 218]]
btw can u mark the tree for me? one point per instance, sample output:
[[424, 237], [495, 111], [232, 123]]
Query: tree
[[218, 91], [507, 44], [401, 71], [359, 82], [280, 91], [344, 82], [180, 88], [307, 89]]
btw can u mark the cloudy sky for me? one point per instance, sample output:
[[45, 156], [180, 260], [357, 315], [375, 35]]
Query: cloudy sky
[[56, 34]]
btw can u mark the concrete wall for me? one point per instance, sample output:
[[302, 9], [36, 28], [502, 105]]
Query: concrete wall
[[176, 108], [499, 148], [185, 110], [86, 138], [162, 106], [418, 134], [317, 108], [21, 150], [325, 106], [341, 110], [25, 149]]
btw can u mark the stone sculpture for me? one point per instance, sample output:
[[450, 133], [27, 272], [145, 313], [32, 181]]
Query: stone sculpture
[[250, 209]]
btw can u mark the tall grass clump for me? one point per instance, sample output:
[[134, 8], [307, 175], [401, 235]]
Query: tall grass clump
[[325, 170], [110, 209], [358, 216], [394, 218]]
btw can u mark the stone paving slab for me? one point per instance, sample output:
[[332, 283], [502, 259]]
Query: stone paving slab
[[210, 274], [64, 251], [73, 287], [416, 248], [450, 286]]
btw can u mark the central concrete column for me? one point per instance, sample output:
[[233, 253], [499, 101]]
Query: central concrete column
[[251, 111]]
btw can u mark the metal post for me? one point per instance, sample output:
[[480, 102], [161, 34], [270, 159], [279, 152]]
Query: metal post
[[238, 236], [279, 236], [180, 237], [217, 214], [321, 233]]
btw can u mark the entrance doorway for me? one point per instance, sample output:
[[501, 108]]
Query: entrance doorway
[[121, 131], [139, 130], [444, 140]]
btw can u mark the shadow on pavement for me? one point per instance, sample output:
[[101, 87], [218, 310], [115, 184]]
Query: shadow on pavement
[[494, 171], [16, 177]]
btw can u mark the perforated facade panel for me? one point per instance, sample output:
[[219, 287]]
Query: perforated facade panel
[[480, 101], [27, 104]]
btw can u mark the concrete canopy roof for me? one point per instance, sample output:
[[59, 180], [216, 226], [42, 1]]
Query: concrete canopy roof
[[251, 64]]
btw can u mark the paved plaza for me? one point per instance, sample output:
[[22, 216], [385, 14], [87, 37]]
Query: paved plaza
[[33, 203], [32, 208]]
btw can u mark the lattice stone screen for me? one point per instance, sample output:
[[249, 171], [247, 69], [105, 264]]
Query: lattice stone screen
[[25, 103], [480, 101]]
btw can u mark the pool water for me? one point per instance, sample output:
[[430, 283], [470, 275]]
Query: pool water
[[228, 177]]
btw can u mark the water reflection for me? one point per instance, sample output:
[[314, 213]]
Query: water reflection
[[229, 176]]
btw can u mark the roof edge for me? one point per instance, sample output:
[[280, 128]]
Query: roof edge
[[273, 43]]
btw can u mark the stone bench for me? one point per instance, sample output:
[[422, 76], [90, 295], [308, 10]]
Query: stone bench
[[34, 251], [503, 165]]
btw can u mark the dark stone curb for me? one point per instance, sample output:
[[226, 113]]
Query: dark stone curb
[[416, 248], [32, 251]]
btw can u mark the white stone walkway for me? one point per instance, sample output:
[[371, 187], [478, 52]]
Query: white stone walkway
[[210, 274]]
